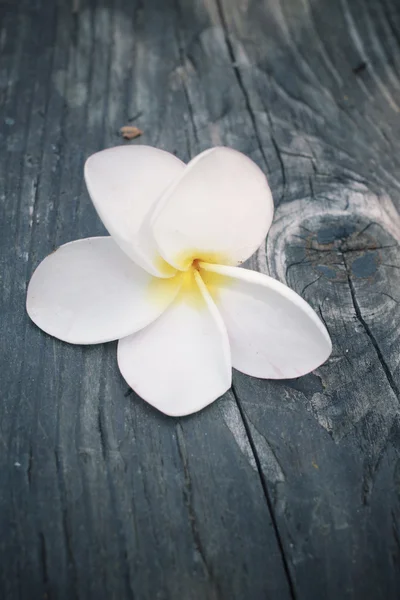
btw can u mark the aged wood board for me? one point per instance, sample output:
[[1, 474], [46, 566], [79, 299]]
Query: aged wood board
[[279, 490]]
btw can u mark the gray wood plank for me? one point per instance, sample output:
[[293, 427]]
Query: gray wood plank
[[280, 489]]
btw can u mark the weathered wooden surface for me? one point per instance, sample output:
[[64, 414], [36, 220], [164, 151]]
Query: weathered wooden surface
[[286, 490]]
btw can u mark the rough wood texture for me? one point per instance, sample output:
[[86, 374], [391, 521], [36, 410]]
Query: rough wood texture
[[284, 490]]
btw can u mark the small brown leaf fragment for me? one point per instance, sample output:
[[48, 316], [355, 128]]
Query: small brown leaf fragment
[[129, 132]]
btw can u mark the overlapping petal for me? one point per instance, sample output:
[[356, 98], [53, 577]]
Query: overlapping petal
[[124, 184], [181, 362], [219, 210], [273, 332], [89, 291]]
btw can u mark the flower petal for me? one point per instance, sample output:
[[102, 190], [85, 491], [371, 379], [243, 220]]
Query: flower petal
[[89, 291], [124, 184], [273, 332], [181, 362], [219, 210]]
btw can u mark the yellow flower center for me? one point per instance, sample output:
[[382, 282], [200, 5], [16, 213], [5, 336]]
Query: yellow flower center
[[186, 259], [163, 290]]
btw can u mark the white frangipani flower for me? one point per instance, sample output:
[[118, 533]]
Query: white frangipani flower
[[167, 285]]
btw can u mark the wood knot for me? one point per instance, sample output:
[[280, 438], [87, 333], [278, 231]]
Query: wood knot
[[338, 247]]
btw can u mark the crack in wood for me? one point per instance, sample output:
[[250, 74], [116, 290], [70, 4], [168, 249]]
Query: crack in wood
[[240, 81], [370, 335], [43, 560], [285, 558], [65, 525], [188, 496], [181, 52]]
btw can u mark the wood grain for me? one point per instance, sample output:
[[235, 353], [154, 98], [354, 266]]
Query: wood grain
[[280, 489]]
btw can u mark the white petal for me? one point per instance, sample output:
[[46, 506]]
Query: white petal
[[273, 332], [124, 184], [218, 211], [181, 362], [89, 291]]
